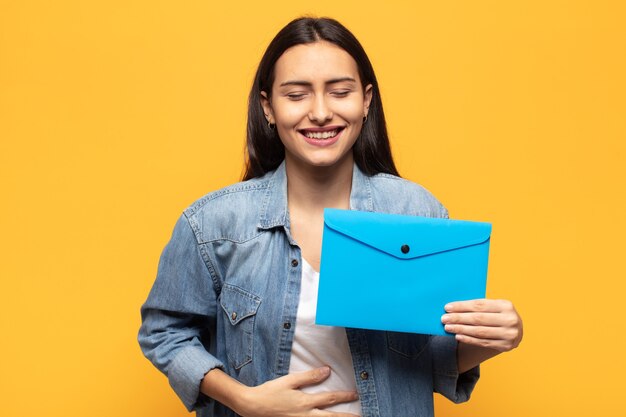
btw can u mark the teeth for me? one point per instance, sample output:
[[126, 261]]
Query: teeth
[[322, 135]]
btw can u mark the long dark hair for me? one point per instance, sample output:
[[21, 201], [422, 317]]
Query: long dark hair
[[265, 151]]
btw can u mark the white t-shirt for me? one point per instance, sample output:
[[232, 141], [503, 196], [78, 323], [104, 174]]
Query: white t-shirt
[[315, 346]]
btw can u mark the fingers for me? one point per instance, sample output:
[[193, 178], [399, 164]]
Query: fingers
[[327, 399], [320, 400], [482, 312], [487, 323], [480, 305], [501, 345], [478, 319], [302, 379], [480, 332]]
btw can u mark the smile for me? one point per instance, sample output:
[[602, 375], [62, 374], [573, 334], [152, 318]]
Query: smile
[[321, 133], [322, 136]]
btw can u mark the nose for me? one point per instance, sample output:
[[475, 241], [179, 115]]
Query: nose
[[320, 112]]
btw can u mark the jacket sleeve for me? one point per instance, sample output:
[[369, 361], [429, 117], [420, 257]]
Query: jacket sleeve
[[446, 378], [178, 318]]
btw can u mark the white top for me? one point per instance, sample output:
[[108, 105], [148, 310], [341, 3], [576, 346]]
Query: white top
[[315, 346]]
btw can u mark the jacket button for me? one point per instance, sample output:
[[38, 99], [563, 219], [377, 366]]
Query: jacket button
[[233, 316], [364, 375], [294, 262], [405, 249], [286, 325]]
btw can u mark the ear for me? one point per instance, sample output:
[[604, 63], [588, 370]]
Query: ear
[[367, 98], [267, 107]]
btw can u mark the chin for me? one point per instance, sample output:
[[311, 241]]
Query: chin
[[325, 159], [326, 162]]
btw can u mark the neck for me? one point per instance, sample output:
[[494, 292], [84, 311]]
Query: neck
[[315, 188]]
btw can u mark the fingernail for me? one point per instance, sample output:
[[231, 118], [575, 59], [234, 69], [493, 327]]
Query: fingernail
[[325, 370], [445, 318], [448, 307]]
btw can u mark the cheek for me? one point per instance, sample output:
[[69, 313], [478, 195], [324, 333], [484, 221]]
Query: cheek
[[289, 116], [350, 110]]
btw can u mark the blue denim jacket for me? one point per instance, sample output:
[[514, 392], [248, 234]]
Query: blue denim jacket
[[226, 296]]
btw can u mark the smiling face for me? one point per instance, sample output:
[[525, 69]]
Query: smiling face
[[317, 103]]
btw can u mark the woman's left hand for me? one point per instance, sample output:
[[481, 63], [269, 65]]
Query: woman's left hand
[[487, 323]]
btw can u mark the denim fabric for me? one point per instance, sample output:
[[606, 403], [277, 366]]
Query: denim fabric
[[227, 291]]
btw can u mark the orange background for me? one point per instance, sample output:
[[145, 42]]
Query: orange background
[[116, 115]]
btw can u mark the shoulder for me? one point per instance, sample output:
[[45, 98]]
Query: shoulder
[[230, 213], [234, 193], [393, 194]]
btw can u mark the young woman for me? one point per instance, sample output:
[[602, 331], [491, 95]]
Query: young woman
[[230, 318]]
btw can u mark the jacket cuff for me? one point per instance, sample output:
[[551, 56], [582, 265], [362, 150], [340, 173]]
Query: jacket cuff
[[186, 372], [446, 378]]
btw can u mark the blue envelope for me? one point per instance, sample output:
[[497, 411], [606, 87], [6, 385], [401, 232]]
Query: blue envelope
[[397, 272]]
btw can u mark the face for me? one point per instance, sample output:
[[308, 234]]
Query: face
[[317, 103]]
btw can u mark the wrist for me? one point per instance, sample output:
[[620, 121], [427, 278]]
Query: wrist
[[470, 356], [223, 388], [242, 400]]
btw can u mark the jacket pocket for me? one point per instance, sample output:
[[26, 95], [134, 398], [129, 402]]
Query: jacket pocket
[[409, 345], [240, 308]]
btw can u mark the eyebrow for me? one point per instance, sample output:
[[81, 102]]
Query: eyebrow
[[308, 84]]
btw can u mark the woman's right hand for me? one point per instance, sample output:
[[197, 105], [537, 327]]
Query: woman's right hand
[[282, 397]]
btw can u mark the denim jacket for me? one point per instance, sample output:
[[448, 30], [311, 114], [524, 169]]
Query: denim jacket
[[227, 290]]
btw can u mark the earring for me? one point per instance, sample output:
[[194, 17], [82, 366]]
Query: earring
[[271, 125], [364, 119]]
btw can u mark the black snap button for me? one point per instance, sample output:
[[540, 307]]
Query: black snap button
[[294, 262], [405, 249], [364, 375], [286, 325]]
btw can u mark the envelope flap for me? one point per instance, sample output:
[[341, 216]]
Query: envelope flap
[[406, 237]]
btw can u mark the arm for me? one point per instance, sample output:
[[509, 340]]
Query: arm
[[484, 328], [275, 398], [175, 335], [178, 314]]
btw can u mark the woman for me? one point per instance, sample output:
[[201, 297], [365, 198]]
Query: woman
[[229, 319]]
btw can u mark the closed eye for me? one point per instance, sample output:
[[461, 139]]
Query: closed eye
[[341, 93], [295, 96]]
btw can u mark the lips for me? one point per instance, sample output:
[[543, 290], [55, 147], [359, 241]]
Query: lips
[[320, 137], [321, 133]]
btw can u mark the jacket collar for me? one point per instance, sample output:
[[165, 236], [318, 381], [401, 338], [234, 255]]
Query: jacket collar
[[274, 211]]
